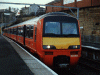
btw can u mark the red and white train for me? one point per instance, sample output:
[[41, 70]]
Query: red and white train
[[54, 37]]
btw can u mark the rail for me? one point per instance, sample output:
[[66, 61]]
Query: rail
[[92, 64]]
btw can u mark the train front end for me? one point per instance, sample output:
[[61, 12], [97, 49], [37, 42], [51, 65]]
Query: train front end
[[61, 41]]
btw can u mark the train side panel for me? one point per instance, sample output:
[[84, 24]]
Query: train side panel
[[39, 39]]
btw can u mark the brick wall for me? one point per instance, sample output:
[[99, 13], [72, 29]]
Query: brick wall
[[84, 3], [54, 9], [57, 8], [95, 2], [48, 9], [80, 4], [90, 20]]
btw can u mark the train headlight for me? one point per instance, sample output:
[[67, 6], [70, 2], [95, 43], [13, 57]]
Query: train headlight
[[74, 47], [49, 47]]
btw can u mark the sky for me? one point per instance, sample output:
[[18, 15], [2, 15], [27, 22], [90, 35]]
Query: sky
[[4, 6]]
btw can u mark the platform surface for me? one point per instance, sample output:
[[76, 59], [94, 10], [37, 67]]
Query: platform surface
[[15, 61], [94, 46], [10, 62]]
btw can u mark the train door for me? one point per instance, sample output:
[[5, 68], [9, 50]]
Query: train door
[[35, 37], [31, 36]]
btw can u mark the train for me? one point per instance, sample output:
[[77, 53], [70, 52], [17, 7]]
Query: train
[[54, 37]]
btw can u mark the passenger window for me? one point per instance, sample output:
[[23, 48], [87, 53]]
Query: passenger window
[[31, 31], [17, 31], [35, 33], [10, 31], [21, 31], [7, 30], [14, 32], [27, 32]]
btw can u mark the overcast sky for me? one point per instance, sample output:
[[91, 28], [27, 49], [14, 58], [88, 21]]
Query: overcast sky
[[4, 6]]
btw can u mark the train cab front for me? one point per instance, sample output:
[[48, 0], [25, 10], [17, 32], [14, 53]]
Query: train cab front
[[61, 52], [61, 41]]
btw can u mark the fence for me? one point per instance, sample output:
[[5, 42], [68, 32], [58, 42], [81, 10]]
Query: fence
[[91, 39]]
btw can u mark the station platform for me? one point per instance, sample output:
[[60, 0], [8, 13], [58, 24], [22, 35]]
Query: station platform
[[14, 60], [91, 51], [94, 46]]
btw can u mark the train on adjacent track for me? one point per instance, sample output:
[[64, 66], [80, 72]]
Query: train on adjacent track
[[54, 37]]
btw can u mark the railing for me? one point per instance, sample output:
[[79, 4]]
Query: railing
[[91, 39]]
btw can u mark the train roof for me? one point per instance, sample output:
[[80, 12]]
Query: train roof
[[34, 20]]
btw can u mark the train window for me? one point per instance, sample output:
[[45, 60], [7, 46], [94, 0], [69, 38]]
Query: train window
[[5, 31], [35, 33], [31, 31], [62, 29], [21, 31], [52, 28], [14, 31], [10, 31], [69, 28], [27, 32], [17, 31]]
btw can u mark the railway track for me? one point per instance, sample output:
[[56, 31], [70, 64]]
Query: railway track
[[72, 73], [64, 71], [92, 64]]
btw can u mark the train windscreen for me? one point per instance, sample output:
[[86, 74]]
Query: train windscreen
[[60, 28]]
